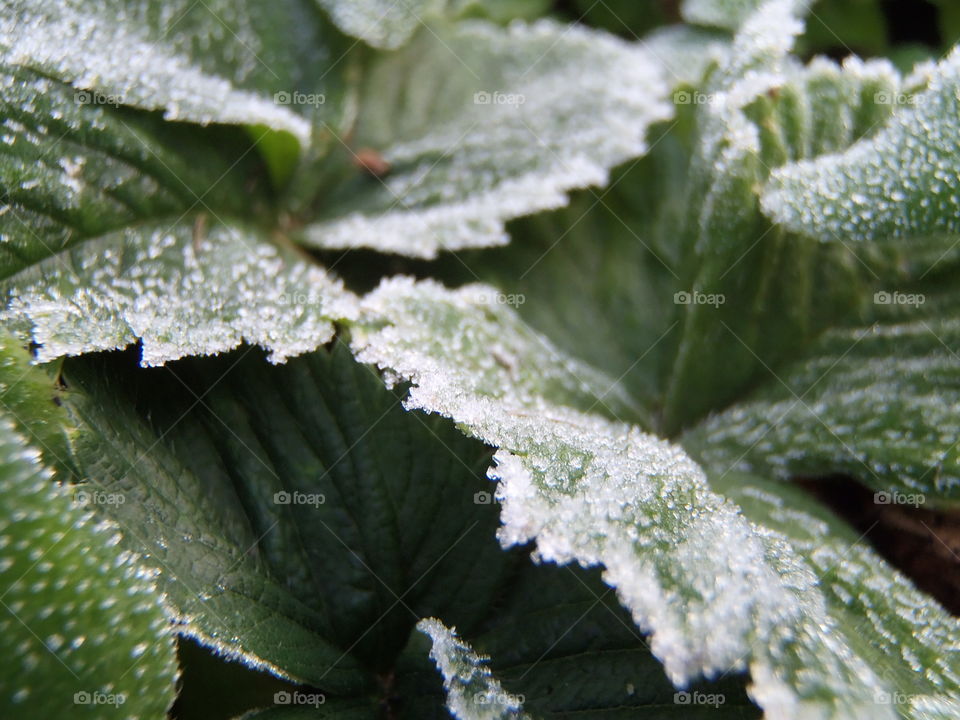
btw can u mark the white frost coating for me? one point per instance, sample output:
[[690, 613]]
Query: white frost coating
[[178, 295], [716, 591], [906, 636], [381, 23], [900, 183], [546, 120], [879, 402], [685, 53], [113, 56], [720, 13], [472, 691]]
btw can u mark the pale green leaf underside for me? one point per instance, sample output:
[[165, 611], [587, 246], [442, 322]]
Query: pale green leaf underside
[[111, 50], [483, 124], [602, 493], [899, 184], [878, 403], [178, 293], [82, 629], [727, 14], [473, 693], [381, 23]]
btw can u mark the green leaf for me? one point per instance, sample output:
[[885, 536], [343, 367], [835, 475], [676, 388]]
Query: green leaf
[[110, 236], [602, 493], [888, 623], [201, 62], [729, 14], [275, 516], [482, 124], [381, 23], [329, 592], [70, 171], [472, 691], [177, 293], [875, 402], [901, 183], [83, 629]]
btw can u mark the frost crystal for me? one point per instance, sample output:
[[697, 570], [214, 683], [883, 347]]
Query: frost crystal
[[524, 115], [472, 691]]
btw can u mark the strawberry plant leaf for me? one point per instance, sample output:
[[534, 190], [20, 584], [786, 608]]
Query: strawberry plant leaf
[[497, 130], [100, 640]]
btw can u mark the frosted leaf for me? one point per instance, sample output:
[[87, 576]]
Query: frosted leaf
[[81, 624], [505, 121], [111, 54], [720, 13], [875, 403], [288, 510], [893, 627], [900, 183], [760, 109], [472, 691], [178, 293], [381, 23], [598, 492], [685, 53], [70, 171]]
